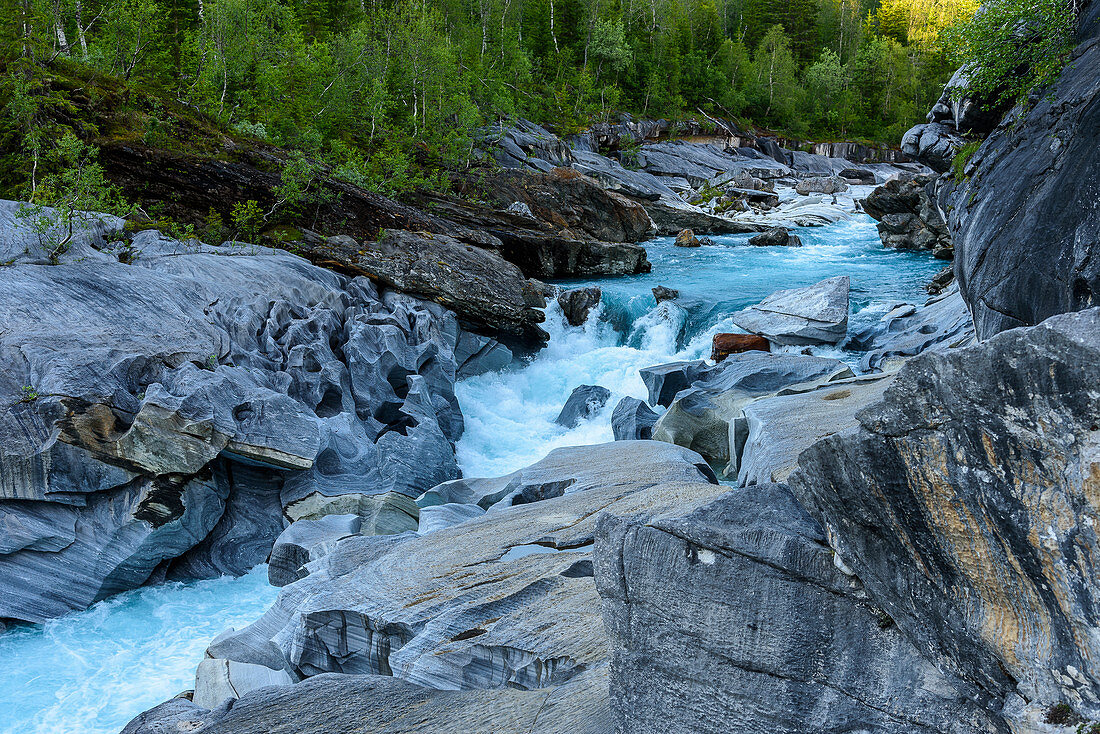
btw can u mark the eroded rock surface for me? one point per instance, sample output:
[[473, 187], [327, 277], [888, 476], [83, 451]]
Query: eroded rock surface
[[817, 314]]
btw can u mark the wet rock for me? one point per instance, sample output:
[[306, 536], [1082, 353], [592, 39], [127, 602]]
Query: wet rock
[[776, 237], [723, 345], [699, 418], [736, 617], [821, 185], [583, 403], [577, 303], [941, 281], [664, 381], [332, 703], [632, 420], [687, 238], [975, 488], [908, 216], [765, 445], [661, 293], [817, 314]]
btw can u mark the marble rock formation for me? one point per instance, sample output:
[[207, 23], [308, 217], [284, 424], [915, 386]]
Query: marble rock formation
[[817, 314]]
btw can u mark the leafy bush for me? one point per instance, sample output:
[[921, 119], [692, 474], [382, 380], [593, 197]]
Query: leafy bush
[[1011, 47]]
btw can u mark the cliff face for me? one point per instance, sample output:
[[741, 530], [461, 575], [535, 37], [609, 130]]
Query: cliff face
[[1024, 221]]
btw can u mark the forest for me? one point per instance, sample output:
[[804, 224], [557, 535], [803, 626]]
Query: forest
[[361, 83]]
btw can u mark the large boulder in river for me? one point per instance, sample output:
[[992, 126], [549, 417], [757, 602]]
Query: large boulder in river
[[663, 381], [583, 403], [821, 185], [171, 413], [908, 216], [776, 237], [577, 303], [737, 618], [1024, 224], [699, 417], [687, 238], [723, 345], [817, 314]]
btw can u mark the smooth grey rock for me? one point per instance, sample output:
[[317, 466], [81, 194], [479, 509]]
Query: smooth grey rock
[[304, 541], [699, 417], [664, 381], [942, 323], [765, 445], [217, 681], [342, 704], [502, 600], [170, 410], [817, 314], [30, 234], [632, 420], [735, 617], [583, 403], [437, 517], [970, 519], [821, 185], [573, 469], [577, 303]]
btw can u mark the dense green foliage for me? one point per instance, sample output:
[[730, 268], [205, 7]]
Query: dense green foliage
[[372, 85], [1013, 47]]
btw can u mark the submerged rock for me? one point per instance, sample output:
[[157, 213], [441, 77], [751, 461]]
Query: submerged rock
[[817, 314], [577, 303], [583, 403], [632, 420], [776, 237]]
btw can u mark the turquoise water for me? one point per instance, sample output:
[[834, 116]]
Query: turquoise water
[[509, 415], [91, 672]]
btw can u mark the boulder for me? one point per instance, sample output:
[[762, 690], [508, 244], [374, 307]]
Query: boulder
[[664, 381], [822, 185], [941, 281], [661, 293], [765, 445], [380, 514], [737, 617], [687, 238], [1023, 220], [699, 417], [861, 176], [908, 216], [817, 314], [583, 403], [971, 519], [217, 681], [723, 345], [577, 303], [776, 237], [575, 469], [933, 144], [632, 420]]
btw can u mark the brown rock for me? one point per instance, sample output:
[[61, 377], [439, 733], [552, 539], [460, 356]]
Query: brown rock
[[687, 238], [726, 344]]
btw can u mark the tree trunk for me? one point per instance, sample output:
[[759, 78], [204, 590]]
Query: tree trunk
[[59, 26]]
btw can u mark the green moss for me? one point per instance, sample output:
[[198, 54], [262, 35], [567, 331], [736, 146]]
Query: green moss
[[962, 158]]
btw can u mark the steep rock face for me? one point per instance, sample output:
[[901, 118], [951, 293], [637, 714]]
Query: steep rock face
[[1025, 222], [163, 417], [735, 617], [967, 504]]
